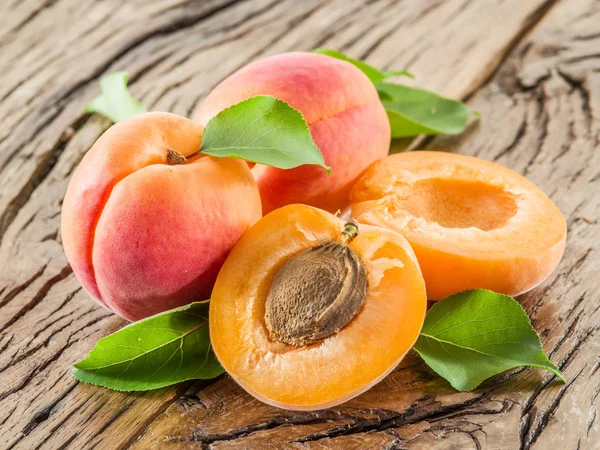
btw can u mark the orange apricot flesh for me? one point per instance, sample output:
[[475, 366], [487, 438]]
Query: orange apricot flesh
[[472, 223], [330, 371]]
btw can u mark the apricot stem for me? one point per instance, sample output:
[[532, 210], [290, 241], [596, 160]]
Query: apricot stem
[[174, 157], [350, 231]]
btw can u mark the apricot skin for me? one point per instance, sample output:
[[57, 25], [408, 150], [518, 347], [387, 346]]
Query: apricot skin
[[143, 236], [472, 223], [341, 106], [334, 370]]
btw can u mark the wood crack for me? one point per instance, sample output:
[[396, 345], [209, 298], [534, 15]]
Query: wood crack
[[399, 421], [527, 434], [39, 296], [33, 350], [357, 424], [205, 441], [580, 87], [64, 419], [576, 305], [521, 132], [371, 48], [143, 425], [44, 166], [43, 413], [22, 286], [50, 360], [576, 348], [567, 145], [47, 4], [537, 431], [528, 24], [8, 416], [540, 141]]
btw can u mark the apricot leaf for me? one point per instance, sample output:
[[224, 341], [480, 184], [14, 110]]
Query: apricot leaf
[[376, 76], [415, 111], [159, 351], [262, 130], [471, 336], [115, 102]]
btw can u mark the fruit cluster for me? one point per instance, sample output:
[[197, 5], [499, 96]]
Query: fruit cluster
[[307, 310]]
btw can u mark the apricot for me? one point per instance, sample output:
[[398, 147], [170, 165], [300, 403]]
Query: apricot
[[472, 223], [308, 312], [146, 230], [342, 108]]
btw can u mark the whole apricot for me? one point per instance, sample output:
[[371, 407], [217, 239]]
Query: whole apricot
[[472, 223], [308, 311], [145, 229], [345, 116]]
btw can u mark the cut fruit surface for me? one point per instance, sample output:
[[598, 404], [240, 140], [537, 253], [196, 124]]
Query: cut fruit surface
[[323, 372], [472, 223]]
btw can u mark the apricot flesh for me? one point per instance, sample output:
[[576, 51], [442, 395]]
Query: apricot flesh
[[143, 236], [472, 223], [330, 371], [344, 114]]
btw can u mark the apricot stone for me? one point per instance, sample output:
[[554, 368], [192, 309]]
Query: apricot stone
[[315, 294], [342, 108], [358, 331], [144, 236]]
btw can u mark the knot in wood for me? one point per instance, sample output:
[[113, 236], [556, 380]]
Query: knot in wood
[[315, 294]]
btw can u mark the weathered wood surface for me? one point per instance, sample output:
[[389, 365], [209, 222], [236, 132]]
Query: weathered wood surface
[[541, 116]]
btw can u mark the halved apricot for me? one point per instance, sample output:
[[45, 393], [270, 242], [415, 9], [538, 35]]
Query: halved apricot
[[472, 223], [307, 312]]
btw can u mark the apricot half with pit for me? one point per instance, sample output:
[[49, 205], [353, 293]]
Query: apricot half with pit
[[472, 223], [309, 311]]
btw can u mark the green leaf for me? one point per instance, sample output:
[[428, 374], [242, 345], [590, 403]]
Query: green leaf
[[469, 337], [415, 111], [263, 130], [376, 76], [159, 351], [396, 73], [385, 97], [115, 102]]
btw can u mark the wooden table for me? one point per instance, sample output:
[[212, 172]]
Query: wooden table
[[531, 67]]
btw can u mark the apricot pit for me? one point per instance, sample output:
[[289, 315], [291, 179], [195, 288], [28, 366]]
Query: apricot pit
[[316, 293]]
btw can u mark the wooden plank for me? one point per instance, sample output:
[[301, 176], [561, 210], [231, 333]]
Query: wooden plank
[[176, 50], [540, 116]]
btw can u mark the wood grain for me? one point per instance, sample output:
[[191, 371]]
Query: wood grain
[[540, 117]]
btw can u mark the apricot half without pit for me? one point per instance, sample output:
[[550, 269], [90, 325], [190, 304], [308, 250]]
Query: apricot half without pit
[[472, 223], [308, 311]]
